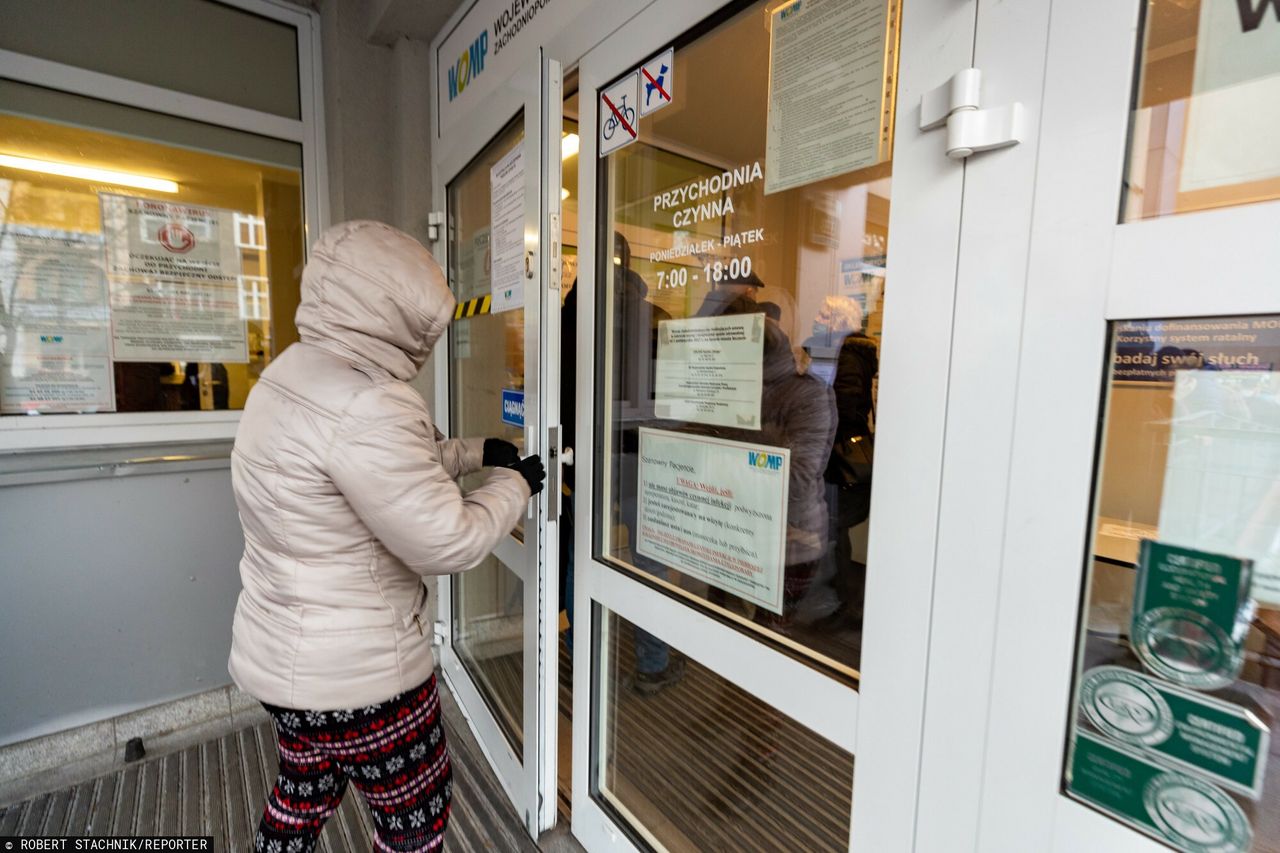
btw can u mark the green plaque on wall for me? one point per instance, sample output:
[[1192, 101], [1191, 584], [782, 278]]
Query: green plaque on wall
[[1191, 614], [1186, 813], [1219, 740]]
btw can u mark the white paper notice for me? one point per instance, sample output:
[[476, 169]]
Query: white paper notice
[[709, 370], [1222, 476], [54, 326], [174, 275], [506, 218], [716, 510], [473, 267], [1233, 119], [826, 91]]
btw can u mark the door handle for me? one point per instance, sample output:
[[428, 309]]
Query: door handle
[[555, 459]]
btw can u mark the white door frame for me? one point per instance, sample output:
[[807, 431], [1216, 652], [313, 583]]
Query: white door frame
[[881, 724], [519, 97], [1084, 270], [540, 81]]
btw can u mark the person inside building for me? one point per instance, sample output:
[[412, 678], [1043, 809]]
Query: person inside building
[[636, 320], [348, 498], [847, 359]]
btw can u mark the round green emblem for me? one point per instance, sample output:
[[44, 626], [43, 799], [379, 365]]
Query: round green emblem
[[1187, 648], [1195, 816], [1123, 705]]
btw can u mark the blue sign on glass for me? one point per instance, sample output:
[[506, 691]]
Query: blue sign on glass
[[513, 407]]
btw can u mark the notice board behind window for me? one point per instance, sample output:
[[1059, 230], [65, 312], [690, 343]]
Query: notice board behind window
[[147, 263]]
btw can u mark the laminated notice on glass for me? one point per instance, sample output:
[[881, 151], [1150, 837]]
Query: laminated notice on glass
[[709, 370], [55, 340], [175, 279], [1220, 740], [1191, 611], [715, 510], [830, 108], [1187, 813], [506, 239]]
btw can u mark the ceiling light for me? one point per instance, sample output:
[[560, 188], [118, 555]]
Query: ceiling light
[[88, 173], [568, 145]]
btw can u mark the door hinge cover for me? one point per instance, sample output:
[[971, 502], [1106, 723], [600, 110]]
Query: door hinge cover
[[957, 104], [439, 634], [434, 220]]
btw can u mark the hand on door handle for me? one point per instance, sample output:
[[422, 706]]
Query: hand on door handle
[[533, 471], [499, 453]]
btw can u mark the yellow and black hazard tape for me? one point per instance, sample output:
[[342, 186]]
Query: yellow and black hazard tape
[[472, 307]]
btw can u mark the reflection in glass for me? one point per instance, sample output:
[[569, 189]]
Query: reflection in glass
[[1190, 460], [1207, 108], [786, 291], [488, 608], [702, 765]]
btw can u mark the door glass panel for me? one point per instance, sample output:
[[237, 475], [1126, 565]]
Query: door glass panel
[[1178, 664], [486, 350], [488, 634], [741, 320], [1207, 107], [486, 355], [695, 763]]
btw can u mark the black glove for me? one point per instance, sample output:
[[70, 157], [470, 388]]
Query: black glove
[[499, 453], [533, 471]]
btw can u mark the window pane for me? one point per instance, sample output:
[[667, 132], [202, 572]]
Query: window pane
[[695, 763], [488, 607], [740, 321], [1178, 667], [1207, 109], [206, 49], [138, 276]]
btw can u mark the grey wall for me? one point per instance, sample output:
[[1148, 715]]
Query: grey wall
[[378, 118], [118, 594], [99, 615]]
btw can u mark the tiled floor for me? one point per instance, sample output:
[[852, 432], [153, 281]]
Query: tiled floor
[[218, 787]]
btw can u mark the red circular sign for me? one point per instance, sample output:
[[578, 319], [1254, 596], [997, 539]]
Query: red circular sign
[[177, 238]]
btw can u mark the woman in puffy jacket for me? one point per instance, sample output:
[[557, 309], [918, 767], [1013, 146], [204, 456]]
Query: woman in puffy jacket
[[347, 496]]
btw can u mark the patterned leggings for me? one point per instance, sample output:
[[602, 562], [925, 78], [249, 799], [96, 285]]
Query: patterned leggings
[[395, 754]]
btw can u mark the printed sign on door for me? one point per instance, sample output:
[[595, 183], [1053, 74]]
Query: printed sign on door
[[618, 116]]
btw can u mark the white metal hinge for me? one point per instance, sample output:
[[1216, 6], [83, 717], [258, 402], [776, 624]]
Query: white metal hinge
[[438, 634], [957, 104], [434, 220]]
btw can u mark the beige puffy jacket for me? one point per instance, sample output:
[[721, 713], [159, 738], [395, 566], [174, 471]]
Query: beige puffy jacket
[[346, 489]]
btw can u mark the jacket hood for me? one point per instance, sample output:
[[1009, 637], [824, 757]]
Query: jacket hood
[[374, 296]]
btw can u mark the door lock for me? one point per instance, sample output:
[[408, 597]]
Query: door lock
[[957, 103]]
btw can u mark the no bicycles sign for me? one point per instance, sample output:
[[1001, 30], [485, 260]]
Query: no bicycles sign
[[619, 121], [646, 90]]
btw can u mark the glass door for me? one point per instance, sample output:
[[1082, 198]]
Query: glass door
[[502, 207], [767, 292], [1136, 684]]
